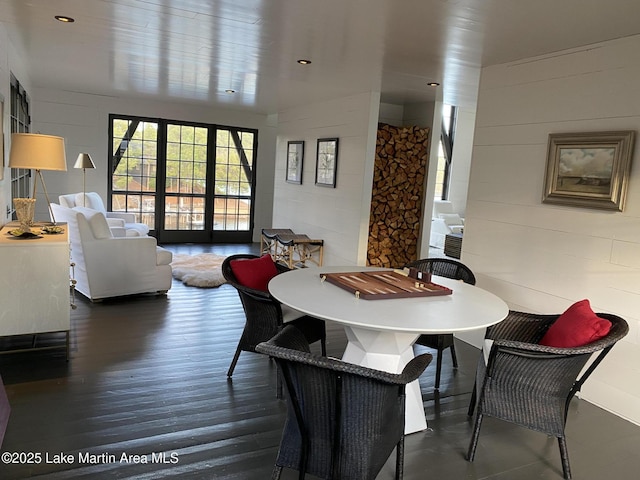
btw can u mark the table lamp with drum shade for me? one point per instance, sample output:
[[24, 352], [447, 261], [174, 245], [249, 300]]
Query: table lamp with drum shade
[[84, 161], [38, 152]]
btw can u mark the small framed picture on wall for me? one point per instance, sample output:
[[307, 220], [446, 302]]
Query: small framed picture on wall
[[295, 157], [327, 162]]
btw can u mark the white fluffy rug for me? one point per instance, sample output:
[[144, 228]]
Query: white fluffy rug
[[201, 270]]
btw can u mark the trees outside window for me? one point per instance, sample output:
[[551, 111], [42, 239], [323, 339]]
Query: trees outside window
[[186, 181]]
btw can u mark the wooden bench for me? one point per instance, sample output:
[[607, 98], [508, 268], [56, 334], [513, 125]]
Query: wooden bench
[[268, 243], [294, 250]]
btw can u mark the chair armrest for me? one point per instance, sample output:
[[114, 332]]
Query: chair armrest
[[531, 351], [521, 327], [518, 359], [121, 254], [415, 367], [282, 268], [438, 225], [118, 231], [260, 295], [115, 222], [254, 293], [506, 337], [125, 216], [411, 371], [290, 337]]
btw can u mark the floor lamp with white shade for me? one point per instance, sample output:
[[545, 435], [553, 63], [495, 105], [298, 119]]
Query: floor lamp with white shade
[[84, 161], [38, 152]]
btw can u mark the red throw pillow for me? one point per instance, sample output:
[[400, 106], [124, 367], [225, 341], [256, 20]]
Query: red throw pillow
[[577, 326], [254, 272]]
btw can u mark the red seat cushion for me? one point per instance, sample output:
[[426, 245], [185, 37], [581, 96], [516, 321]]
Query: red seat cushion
[[577, 326], [254, 272]]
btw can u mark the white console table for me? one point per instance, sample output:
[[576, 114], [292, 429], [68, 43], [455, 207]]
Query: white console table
[[34, 285]]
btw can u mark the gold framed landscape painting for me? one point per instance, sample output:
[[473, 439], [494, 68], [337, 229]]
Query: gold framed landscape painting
[[589, 169]]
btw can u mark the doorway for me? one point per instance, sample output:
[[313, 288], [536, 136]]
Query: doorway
[[189, 182]]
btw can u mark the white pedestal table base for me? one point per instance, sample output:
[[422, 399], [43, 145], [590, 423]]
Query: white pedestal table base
[[390, 352]]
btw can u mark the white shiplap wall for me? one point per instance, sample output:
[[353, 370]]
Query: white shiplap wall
[[339, 216], [5, 174], [83, 121], [541, 257], [12, 60]]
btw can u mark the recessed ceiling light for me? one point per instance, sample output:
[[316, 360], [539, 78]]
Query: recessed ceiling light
[[433, 84], [62, 18], [230, 90], [303, 61]]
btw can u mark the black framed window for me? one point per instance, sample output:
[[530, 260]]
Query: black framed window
[[187, 181], [20, 123], [447, 135]]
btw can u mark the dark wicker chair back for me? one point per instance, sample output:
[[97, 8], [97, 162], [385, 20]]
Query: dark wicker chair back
[[444, 267], [264, 317], [532, 385], [343, 420]]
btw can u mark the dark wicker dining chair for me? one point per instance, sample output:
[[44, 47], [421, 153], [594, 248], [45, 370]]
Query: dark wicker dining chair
[[531, 385], [444, 267], [343, 420], [264, 315]]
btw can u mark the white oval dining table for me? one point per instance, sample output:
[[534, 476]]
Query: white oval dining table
[[381, 333]]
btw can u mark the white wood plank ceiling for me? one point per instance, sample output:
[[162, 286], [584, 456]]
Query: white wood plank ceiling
[[195, 50]]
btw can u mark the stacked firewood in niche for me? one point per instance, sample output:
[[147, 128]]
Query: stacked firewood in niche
[[397, 197]]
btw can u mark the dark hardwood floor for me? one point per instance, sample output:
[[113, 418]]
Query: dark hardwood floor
[[147, 378]]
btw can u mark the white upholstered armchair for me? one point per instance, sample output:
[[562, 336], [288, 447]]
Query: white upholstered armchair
[[108, 266], [122, 223], [443, 222]]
